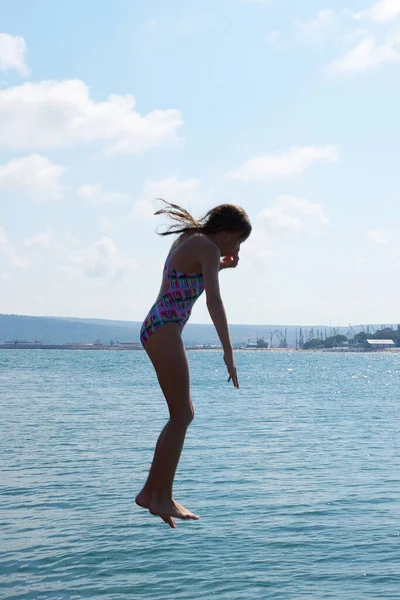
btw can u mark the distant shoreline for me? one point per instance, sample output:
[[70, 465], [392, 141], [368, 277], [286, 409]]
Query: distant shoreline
[[138, 347], [69, 347]]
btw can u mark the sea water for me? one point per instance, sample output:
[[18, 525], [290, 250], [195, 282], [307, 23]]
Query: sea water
[[296, 477]]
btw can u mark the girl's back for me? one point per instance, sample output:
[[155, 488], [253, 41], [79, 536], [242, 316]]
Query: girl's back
[[183, 258]]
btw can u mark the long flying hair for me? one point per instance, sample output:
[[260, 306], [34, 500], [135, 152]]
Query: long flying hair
[[225, 217]]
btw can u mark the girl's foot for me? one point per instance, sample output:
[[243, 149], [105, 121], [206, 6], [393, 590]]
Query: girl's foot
[[167, 508], [143, 499]]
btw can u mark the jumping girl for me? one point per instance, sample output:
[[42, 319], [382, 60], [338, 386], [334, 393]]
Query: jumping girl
[[202, 249]]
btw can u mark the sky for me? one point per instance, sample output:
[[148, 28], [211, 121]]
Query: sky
[[289, 109]]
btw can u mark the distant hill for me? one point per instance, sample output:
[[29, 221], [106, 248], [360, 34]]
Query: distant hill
[[59, 330], [55, 330]]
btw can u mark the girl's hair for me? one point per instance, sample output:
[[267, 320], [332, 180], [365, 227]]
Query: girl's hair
[[225, 217]]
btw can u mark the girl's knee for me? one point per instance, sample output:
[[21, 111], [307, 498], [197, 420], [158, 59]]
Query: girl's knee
[[187, 416], [184, 416]]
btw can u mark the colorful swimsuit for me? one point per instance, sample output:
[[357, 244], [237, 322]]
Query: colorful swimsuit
[[176, 303]]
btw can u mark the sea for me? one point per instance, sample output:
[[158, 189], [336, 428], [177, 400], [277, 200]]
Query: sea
[[296, 478]]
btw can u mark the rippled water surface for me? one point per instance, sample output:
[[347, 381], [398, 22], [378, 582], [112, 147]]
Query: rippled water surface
[[295, 477]]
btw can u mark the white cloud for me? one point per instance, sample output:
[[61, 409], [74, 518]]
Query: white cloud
[[355, 36], [185, 193], [272, 37], [288, 214], [39, 240], [317, 28], [256, 252], [59, 113], [275, 218], [12, 53], [283, 164], [367, 55], [106, 225], [27, 253], [378, 236], [18, 260], [3, 237], [258, 1], [6, 249], [34, 175], [13, 257], [102, 259], [383, 11], [95, 193]]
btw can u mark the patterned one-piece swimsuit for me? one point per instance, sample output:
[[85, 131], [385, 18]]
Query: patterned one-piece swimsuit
[[176, 303]]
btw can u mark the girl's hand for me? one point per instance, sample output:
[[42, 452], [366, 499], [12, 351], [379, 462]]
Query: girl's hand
[[229, 262], [231, 366]]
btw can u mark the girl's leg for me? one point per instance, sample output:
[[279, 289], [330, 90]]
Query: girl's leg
[[167, 353]]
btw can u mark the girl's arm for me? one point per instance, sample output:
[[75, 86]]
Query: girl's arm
[[210, 263], [210, 260]]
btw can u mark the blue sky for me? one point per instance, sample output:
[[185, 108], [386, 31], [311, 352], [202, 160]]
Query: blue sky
[[290, 112]]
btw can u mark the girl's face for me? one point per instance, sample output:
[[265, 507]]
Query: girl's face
[[230, 243]]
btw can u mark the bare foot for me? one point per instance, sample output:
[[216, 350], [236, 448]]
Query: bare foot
[[169, 508], [165, 510], [169, 521], [185, 510], [143, 500]]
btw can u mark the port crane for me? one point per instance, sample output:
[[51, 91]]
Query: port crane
[[282, 337]]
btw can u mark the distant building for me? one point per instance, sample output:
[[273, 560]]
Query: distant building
[[128, 345], [260, 343], [379, 344]]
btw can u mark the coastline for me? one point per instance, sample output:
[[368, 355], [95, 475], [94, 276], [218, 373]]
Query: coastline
[[138, 347]]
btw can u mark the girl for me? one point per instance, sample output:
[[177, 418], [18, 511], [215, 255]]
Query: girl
[[202, 249]]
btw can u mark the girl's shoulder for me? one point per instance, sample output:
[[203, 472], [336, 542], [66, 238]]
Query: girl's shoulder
[[195, 242], [190, 251]]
